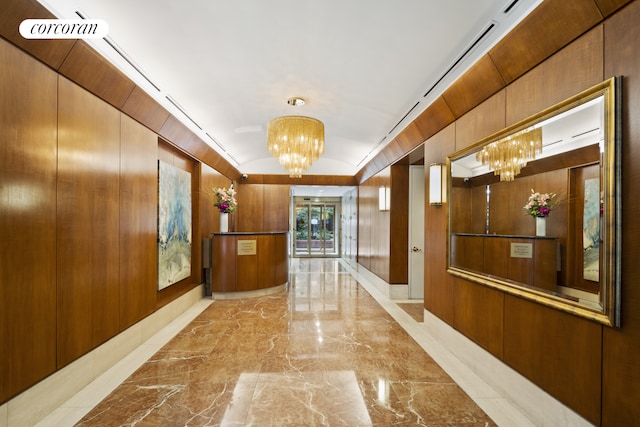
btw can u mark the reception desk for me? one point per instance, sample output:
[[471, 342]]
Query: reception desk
[[533, 261], [248, 264]]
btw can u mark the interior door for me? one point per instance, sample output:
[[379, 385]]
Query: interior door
[[416, 231]]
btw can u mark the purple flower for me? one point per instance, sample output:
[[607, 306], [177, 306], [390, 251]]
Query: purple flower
[[225, 199], [539, 204]]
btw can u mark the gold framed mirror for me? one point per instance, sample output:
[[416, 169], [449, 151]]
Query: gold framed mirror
[[534, 210]]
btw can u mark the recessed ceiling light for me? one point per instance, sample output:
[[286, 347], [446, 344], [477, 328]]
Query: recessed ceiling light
[[295, 101]]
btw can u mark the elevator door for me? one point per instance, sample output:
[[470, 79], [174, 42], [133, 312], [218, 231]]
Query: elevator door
[[316, 230]]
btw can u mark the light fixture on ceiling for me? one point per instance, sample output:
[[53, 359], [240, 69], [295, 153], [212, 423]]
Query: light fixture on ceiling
[[296, 101], [509, 155], [296, 141]]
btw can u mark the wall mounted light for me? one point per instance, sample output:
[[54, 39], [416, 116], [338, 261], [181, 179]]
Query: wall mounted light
[[437, 184], [384, 198]]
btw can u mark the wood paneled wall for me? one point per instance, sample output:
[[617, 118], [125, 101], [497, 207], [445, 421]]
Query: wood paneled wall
[[138, 224], [383, 236], [374, 226], [28, 155], [262, 207], [620, 361], [88, 249], [563, 75], [399, 226], [78, 210], [329, 180], [438, 289]]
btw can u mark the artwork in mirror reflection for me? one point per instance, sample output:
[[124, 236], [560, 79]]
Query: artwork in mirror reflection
[[591, 230], [533, 208]]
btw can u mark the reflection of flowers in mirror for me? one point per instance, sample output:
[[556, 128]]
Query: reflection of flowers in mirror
[[540, 204], [225, 199]]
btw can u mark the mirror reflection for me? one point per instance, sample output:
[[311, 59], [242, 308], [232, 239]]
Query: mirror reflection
[[532, 208]]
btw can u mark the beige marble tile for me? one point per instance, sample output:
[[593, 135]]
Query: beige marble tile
[[50, 393], [116, 348], [503, 412], [4, 415]]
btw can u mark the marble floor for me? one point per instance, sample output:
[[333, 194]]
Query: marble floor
[[325, 352]]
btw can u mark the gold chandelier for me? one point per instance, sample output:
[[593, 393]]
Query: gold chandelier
[[296, 141], [509, 155]]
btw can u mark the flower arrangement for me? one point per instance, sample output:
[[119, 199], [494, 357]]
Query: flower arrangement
[[540, 204], [225, 199]]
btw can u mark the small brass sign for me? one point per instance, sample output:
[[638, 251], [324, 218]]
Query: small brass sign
[[246, 247], [521, 250]]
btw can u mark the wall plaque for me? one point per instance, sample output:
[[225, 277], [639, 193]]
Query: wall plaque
[[521, 250], [246, 247]]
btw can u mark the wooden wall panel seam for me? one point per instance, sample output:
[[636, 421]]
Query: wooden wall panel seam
[[90, 70], [611, 6], [65, 57], [444, 99]]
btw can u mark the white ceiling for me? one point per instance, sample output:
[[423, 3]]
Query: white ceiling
[[361, 65]]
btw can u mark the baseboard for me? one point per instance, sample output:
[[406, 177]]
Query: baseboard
[[391, 291]]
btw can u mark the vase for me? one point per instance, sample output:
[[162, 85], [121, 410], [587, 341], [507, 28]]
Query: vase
[[541, 226], [224, 222]]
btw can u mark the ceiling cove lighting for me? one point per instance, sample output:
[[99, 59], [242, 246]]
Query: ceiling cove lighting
[[509, 155], [296, 141]]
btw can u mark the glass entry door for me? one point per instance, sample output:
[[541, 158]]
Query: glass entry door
[[316, 230]]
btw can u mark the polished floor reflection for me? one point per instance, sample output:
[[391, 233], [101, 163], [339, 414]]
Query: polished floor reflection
[[323, 353]]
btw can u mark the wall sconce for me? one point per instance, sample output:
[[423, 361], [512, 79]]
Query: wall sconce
[[384, 198], [437, 184]]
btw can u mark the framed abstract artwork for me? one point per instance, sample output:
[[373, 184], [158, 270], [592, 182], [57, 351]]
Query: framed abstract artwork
[[174, 224]]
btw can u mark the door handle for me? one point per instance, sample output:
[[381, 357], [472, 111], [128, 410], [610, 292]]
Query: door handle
[[416, 249]]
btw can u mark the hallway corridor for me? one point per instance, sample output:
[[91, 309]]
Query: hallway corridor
[[322, 353]]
